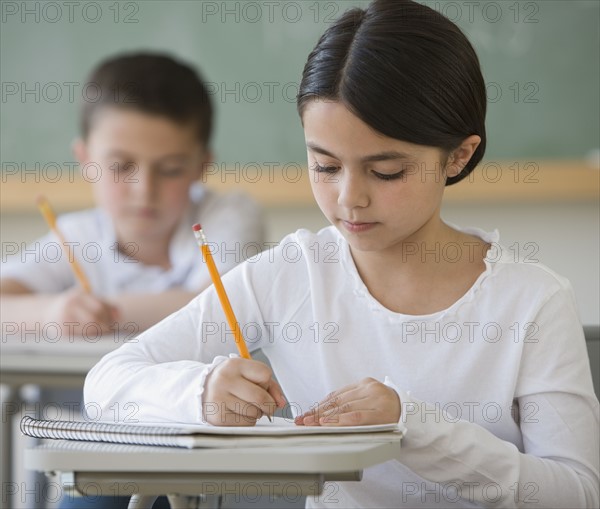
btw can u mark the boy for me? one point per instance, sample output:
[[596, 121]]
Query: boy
[[146, 133]]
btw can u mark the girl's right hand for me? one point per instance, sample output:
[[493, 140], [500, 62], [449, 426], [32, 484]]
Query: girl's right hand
[[239, 391], [75, 310]]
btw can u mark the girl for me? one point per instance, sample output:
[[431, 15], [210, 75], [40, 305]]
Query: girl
[[390, 314]]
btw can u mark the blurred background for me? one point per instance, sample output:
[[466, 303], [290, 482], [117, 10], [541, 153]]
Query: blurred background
[[538, 184]]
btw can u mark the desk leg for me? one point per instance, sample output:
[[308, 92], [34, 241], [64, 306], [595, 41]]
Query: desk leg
[[142, 502], [196, 502], [9, 403]]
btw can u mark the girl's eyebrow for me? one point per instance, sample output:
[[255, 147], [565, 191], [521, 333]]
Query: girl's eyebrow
[[381, 156]]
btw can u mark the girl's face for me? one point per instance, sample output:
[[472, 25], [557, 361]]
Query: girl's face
[[377, 191]]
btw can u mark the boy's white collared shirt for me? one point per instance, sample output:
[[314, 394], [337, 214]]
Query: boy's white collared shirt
[[233, 221]]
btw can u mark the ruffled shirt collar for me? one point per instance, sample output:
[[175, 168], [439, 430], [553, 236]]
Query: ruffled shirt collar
[[360, 289]]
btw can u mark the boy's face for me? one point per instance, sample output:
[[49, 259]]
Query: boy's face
[[146, 165]]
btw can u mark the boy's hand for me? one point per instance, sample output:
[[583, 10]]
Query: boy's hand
[[75, 310], [238, 392], [366, 402]]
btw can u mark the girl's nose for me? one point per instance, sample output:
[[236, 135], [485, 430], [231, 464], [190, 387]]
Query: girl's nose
[[352, 191]]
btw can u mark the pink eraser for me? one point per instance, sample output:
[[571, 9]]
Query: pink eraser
[[197, 227]]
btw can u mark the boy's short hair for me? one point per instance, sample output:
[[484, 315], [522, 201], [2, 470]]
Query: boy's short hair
[[150, 83]]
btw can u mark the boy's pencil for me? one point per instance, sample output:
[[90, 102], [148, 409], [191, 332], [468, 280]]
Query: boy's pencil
[[50, 218], [216, 279]]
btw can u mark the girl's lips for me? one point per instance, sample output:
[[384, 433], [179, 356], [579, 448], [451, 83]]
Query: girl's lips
[[357, 227]]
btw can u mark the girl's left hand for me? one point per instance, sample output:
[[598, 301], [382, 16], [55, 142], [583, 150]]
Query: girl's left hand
[[366, 402]]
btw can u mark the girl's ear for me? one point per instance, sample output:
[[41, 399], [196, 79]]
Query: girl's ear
[[79, 149], [461, 155]]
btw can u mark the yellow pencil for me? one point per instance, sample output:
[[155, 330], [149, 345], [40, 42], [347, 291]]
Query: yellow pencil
[[225, 304], [50, 218]]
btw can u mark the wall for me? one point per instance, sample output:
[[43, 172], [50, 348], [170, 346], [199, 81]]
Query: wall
[[540, 62]]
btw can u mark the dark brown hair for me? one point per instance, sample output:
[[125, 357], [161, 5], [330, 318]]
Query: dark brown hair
[[406, 71], [150, 83]]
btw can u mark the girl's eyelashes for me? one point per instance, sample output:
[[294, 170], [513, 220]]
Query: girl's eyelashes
[[324, 169], [393, 176], [382, 176]]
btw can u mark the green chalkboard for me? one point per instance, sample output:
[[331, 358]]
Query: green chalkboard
[[540, 60]]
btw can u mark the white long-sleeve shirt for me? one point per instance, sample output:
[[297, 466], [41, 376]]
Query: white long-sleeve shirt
[[496, 391], [233, 222]]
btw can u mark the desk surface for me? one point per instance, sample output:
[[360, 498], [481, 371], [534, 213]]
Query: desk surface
[[73, 456], [151, 471], [64, 363], [72, 356], [32, 363]]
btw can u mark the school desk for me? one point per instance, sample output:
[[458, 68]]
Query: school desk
[[148, 472], [55, 365], [48, 365]]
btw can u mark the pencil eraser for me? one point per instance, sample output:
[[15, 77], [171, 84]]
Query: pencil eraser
[[197, 227]]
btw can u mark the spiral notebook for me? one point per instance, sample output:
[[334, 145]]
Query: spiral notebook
[[280, 432]]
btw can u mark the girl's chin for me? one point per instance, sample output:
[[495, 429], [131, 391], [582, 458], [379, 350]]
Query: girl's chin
[[363, 244]]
